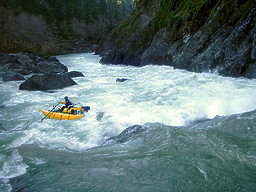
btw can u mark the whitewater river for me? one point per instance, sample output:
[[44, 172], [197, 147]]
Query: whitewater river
[[199, 132]]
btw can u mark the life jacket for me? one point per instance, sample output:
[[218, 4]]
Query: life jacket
[[73, 110]]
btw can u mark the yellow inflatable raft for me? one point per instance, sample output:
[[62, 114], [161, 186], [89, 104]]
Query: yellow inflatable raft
[[61, 115]]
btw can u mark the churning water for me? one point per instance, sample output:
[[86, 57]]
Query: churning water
[[200, 132]]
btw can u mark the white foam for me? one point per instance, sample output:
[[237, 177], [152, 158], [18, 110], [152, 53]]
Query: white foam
[[153, 94], [12, 166]]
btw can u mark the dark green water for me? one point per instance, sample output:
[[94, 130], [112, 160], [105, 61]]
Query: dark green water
[[215, 155]]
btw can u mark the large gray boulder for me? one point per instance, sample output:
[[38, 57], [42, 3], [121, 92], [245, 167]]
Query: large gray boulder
[[26, 63], [50, 67], [49, 81], [21, 63]]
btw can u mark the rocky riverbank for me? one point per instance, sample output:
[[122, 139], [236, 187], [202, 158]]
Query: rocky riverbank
[[47, 73], [26, 63]]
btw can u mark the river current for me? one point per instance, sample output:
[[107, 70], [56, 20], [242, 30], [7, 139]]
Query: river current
[[200, 132]]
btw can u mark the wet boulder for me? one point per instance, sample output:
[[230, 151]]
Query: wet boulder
[[75, 74], [51, 65], [49, 81], [121, 79], [47, 67], [22, 63], [11, 76], [27, 63], [53, 59], [126, 134]]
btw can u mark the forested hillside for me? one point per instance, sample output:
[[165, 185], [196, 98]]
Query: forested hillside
[[58, 26]]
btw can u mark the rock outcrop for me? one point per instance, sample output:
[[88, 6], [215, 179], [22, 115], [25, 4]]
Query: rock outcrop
[[49, 81], [26, 63], [202, 36], [51, 74], [75, 74], [13, 77]]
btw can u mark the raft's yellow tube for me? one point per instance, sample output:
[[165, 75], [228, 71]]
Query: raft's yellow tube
[[60, 116]]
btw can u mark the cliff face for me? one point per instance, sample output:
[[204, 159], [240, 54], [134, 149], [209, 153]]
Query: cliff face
[[199, 36]]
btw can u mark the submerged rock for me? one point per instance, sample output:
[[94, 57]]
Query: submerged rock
[[126, 134], [2, 128], [121, 79], [48, 81], [100, 115]]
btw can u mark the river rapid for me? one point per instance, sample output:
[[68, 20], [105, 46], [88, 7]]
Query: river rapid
[[200, 132]]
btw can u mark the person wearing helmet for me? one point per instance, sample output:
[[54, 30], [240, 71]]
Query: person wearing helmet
[[68, 103]]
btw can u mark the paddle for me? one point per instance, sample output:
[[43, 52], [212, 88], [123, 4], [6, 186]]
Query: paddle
[[50, 112]]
